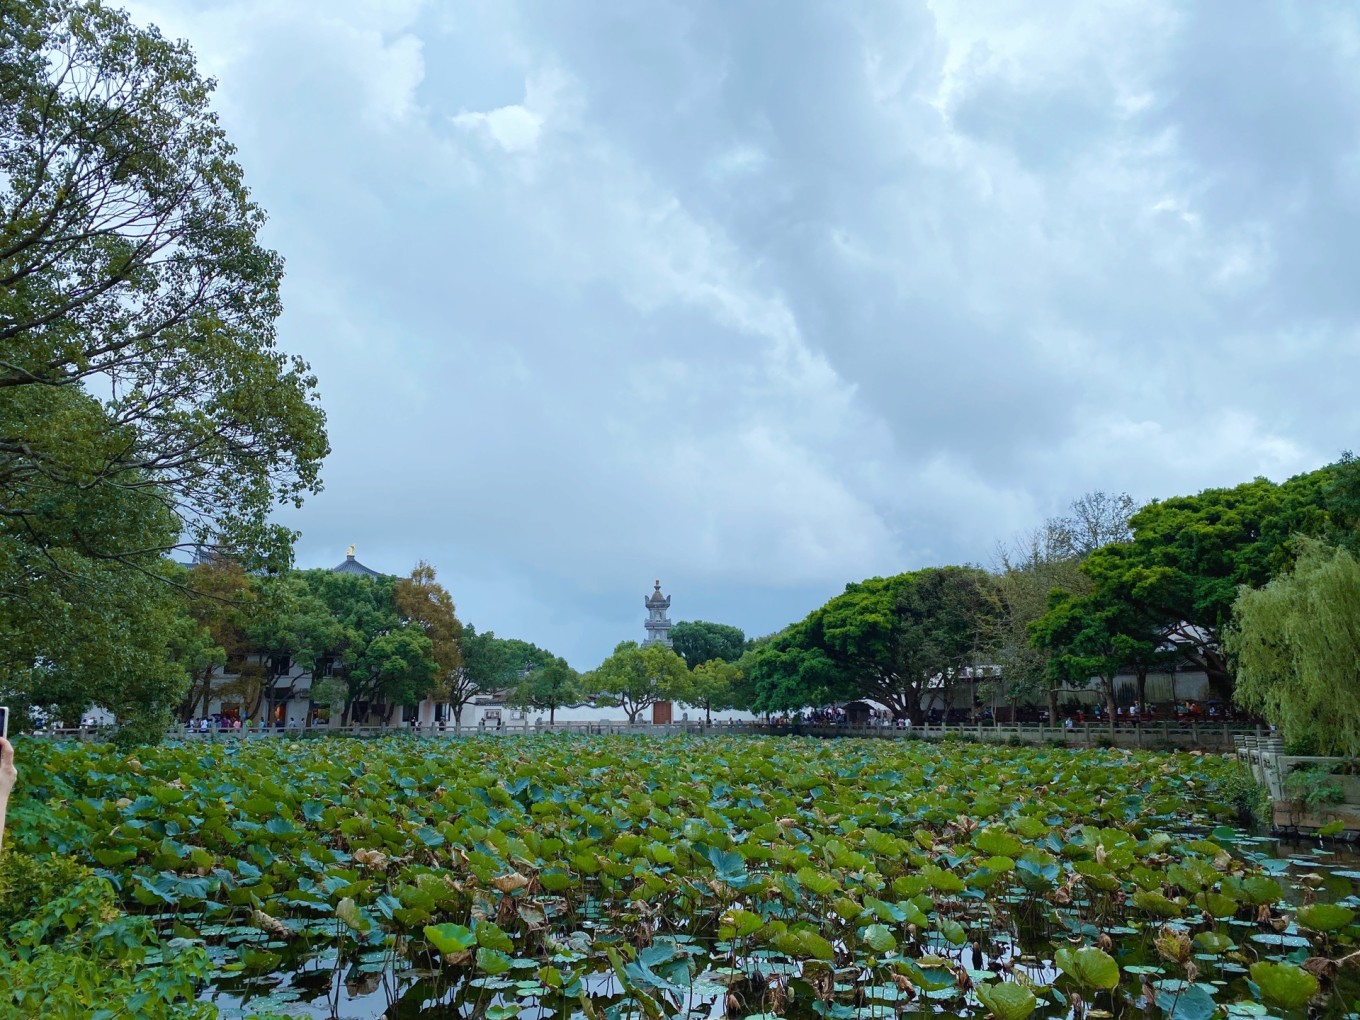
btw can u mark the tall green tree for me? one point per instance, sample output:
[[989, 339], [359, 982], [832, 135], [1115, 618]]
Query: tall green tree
[[711, 685], [295, 636], [78, 627], [698, 641], [143, 401], [492, 664], [1296, 644], [636, 678], [901, 638], [785, 673], [548, 686], [1091, 639], [386, 662], [130, 266], [1189, 555], [219, 600]]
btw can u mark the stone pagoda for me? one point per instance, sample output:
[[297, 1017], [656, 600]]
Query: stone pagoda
[[658, 623]]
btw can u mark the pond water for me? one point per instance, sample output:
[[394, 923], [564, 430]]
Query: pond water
[[310, 980]]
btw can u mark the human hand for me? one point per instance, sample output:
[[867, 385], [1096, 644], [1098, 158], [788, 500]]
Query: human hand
[[8, 774]]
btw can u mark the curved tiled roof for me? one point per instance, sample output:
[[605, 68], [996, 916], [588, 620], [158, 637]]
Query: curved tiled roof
[[353, 566]]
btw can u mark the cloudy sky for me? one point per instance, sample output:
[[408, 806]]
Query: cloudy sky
[[763, 297]]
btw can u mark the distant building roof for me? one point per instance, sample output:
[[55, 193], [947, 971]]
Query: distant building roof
[[657, 599], [353, 566]]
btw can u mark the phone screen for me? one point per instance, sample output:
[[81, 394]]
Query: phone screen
[[4, 722]]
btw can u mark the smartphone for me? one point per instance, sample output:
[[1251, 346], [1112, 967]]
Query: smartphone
[[4, 722]]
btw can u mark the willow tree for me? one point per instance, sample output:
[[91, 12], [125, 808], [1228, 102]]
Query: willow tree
[[1296, 644]]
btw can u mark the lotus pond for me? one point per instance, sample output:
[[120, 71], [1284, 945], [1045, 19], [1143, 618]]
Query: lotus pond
[[623, 876]]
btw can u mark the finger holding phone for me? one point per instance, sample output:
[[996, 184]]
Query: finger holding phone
[[8, 774]]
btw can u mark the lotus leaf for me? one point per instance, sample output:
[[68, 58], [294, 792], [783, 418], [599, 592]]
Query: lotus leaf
[[1156, 904], [1212, 942], [1324, 917], [1007, 1000], [995, 840], [1283, 984], [450, 939], [878, 938], [1088, 966], [1191, 1002]]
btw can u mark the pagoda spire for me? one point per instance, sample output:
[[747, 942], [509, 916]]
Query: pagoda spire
[[658, 624]]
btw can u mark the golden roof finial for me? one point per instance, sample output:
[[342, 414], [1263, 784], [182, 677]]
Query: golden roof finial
[[350, 554]]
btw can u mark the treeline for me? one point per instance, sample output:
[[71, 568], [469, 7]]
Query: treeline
[[362, 646], [1256, 585]]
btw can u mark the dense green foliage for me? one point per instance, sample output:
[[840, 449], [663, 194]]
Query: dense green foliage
[[548, 687], [521, 867], [636, 677], [68, 952], [698, 641], [891, 639], [1189, 555], [143, 401], [1297, 646], [713, 686]]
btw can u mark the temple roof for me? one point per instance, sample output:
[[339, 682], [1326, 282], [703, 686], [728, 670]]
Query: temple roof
[[353, 566], [657, 599]]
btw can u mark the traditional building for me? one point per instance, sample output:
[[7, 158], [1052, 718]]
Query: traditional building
[[353, 566], [658, 624]]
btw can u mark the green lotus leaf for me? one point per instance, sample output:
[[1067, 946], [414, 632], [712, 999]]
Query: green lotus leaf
[[491, 936], [1156, 904], [1088, 966], [1007, 1000], [737, 923], [954, 932], [1216, 904], [816, 882], [878, 938], [1324, 917], [1212, 942], [1029, 827], [941, 880], [995, 840], [1190, 1002], [847, 908], [450, 939], [1260, 889], [350, 916], [492, 961], [1283, 984]]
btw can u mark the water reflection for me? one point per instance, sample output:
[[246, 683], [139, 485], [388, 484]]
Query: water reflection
[[312, 982]]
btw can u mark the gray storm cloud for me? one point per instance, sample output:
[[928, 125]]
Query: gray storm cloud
[[762, 298]]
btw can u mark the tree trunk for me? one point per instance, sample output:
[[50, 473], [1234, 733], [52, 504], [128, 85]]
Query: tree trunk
[[1053, 706], [1109, 700], [552, 715], [708, 715], [912, 707], [457, 715], [1140, 694], [207, 689]]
